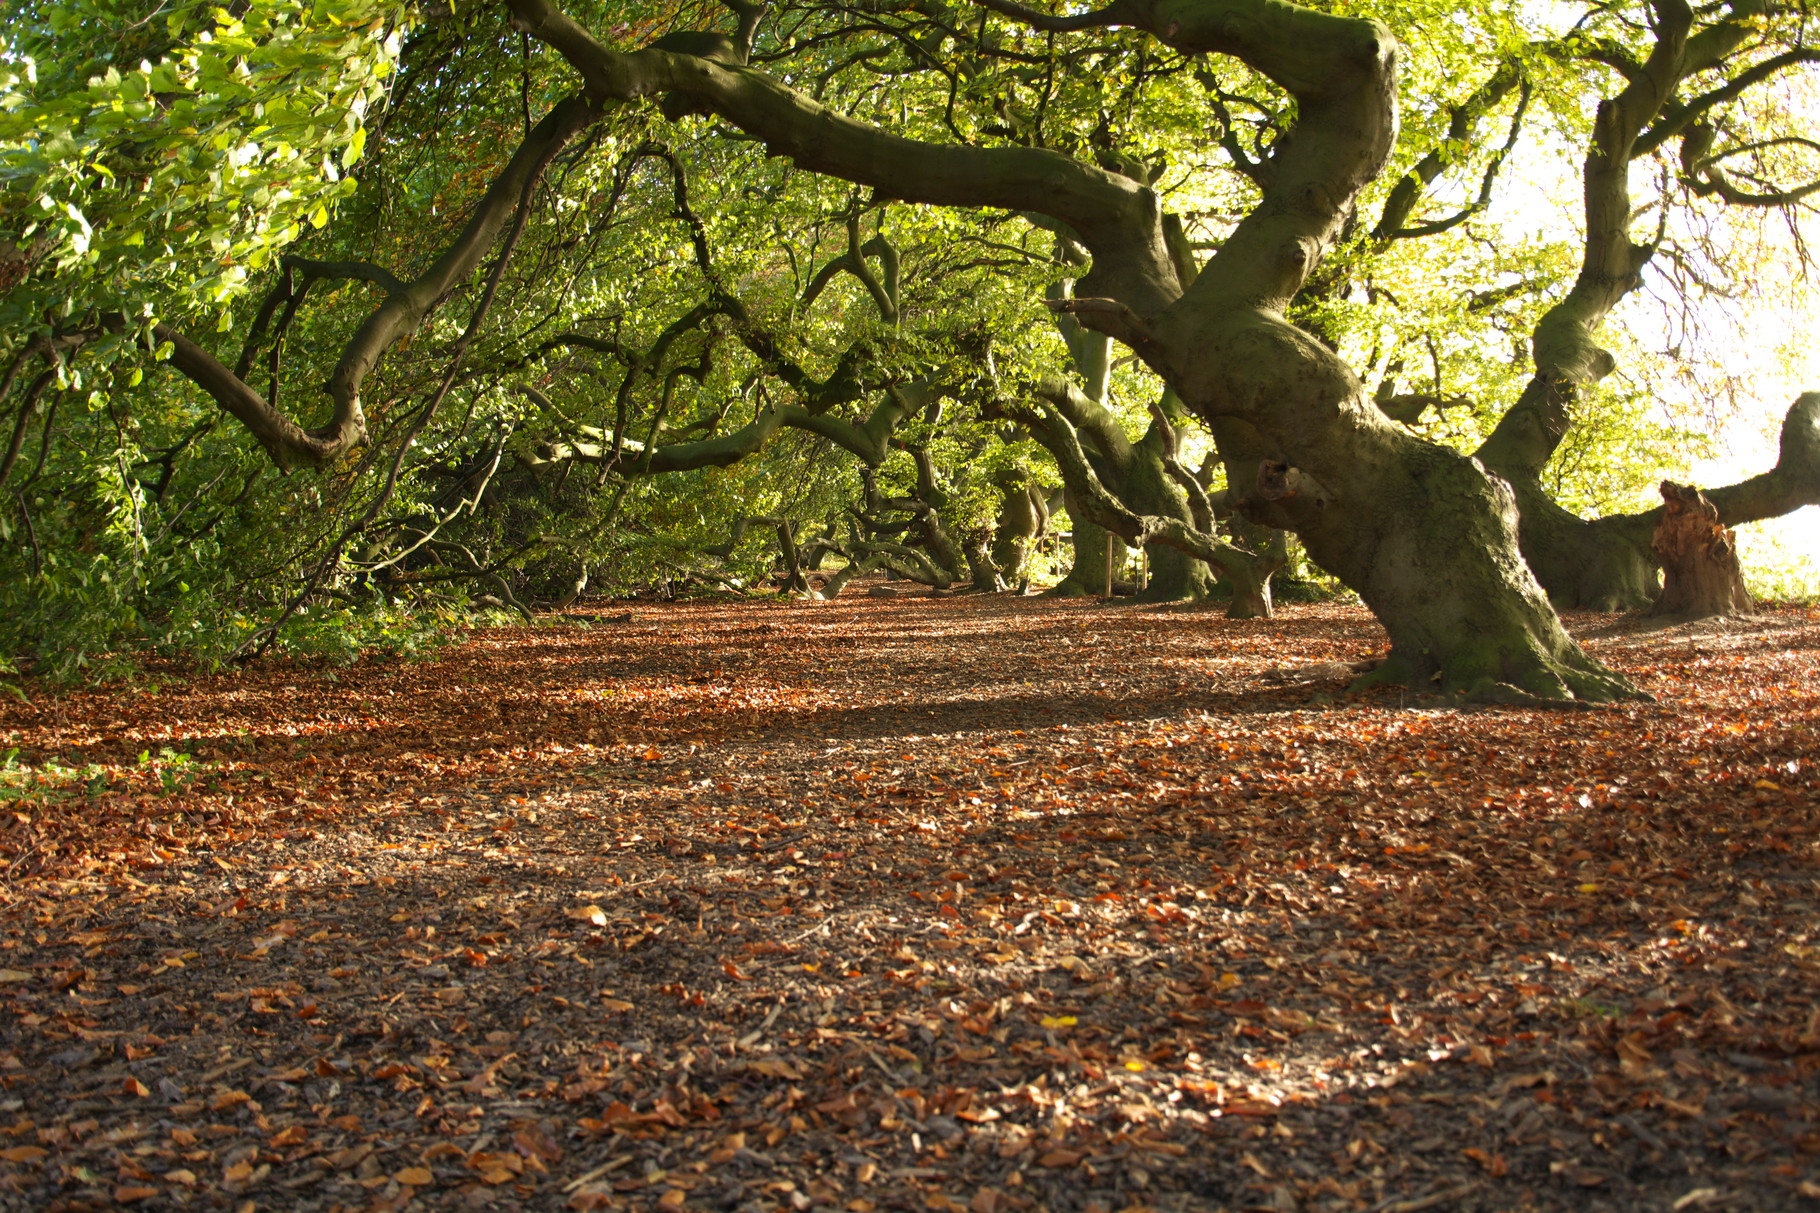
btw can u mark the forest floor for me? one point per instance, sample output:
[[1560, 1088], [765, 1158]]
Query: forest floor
[[913, 903]]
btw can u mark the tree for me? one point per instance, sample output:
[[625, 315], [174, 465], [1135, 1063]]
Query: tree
[[1421, 533], [832, 221], [1682, 80], [1688, 95]]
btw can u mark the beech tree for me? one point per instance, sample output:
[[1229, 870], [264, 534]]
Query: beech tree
[[1423, 534], [1673, 89], [501, 278]]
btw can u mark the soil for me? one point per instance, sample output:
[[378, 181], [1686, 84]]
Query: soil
[[977, 903]]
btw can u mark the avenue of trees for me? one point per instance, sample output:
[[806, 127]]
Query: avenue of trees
[[322, 320]]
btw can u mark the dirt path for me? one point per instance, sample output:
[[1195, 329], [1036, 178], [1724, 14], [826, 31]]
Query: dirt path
[[917, 904]]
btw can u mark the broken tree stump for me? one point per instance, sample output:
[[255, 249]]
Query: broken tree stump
[[1700, 574]]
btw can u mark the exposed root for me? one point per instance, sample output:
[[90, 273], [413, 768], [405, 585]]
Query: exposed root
[[1538, 681]]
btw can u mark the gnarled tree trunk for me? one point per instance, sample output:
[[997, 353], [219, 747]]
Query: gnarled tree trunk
[[1425, 536], [1023, 518], [1700, 573]]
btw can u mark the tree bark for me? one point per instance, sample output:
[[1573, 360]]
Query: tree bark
[[1594, 564], [1700, 574]]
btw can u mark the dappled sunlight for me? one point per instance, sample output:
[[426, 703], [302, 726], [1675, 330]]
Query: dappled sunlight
[[986, 903]]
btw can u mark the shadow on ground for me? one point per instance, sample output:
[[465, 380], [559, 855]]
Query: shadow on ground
[[925, 905]]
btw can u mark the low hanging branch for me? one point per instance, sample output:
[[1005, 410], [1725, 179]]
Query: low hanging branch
[[403, 310], [1108, 511], [526, 178]]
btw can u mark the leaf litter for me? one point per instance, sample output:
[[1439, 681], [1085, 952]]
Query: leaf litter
[[912, 903]]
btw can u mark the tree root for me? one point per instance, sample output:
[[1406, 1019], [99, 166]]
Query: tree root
[[1538, 681]]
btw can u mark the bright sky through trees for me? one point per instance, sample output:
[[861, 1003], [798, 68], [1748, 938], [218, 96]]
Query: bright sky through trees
[[1745, 356]]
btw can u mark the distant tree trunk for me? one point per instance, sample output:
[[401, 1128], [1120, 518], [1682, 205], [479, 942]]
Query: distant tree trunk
[[576, 590], [795, 582], [1250, 581], [983, 574], [1022, 520], [852, 569], [1135, 473], [816, 552], [1147, 487], [1700, 574], [1087, 573]]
